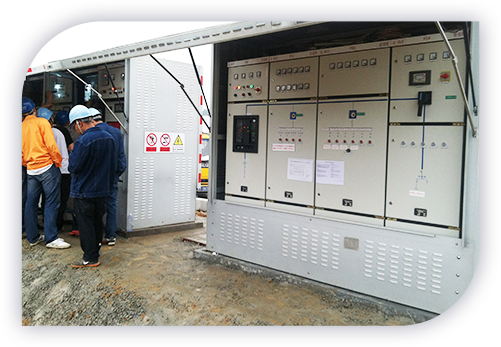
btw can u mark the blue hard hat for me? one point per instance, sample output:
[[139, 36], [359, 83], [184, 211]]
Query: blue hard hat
[[28, 105], [62, 117], [43, 112], [79, 112]]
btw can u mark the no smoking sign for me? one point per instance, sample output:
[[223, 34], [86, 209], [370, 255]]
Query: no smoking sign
[[165, 140]]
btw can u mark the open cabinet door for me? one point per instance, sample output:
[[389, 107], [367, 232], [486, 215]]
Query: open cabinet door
[[162, 145]]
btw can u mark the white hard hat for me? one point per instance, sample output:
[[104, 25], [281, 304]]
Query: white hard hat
[[79, 112]]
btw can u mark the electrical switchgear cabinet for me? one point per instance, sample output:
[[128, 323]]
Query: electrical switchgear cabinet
[[364, 175]]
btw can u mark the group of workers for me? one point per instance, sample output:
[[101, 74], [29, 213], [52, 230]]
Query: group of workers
[[55, 167]]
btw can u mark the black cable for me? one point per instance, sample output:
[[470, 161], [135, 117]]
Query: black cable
[[182, 87], [116, 92], [199, 81]]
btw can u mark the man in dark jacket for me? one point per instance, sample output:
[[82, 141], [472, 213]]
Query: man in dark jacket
[[110, 228], [93, 165]]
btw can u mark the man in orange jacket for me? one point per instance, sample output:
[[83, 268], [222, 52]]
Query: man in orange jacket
[[42, 159]]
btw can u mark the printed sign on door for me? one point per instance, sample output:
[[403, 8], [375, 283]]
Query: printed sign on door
[[163, 142]]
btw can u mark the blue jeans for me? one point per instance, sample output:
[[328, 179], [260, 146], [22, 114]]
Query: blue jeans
[[25, 194], [110, 230], [49, 182]]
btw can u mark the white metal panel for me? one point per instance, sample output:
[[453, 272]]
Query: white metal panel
[[161, 187], [428, 272], [357, 73]]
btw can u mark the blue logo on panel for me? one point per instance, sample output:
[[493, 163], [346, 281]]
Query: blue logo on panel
[[353, 114], [293, 115]]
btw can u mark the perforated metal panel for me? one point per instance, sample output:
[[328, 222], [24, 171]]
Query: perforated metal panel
[[241, 230], [159, 188], [428, 272]]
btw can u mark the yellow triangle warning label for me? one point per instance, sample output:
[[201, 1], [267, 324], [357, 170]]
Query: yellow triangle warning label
[[178, 141]]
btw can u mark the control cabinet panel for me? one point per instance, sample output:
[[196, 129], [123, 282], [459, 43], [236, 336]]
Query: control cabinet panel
[[356, 73], [424, 87], [246, 152], [351, 156], [117, 75], [424, 175], [290, 168], [247, 83], [292, 79], [373, 136]]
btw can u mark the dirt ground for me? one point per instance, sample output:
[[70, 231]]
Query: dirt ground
[[156, 281]]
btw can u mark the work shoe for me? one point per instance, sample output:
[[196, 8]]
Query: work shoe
[[40, 239], [58, 244], [74, 233], [110, 241], [84, 263]]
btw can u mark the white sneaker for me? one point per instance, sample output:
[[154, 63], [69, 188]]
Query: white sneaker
[[59, 244], [40, 239]]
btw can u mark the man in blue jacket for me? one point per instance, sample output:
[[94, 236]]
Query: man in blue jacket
[[93, 165], [110, 228]]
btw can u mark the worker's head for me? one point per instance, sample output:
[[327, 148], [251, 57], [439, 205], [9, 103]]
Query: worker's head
[[81, 118], [28, 107], [62, 117], [45, 113], [96, 114]]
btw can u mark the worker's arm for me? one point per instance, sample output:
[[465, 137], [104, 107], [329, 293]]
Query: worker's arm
[[122, 159]]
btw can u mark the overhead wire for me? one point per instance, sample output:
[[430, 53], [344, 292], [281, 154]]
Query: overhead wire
[[183, 89]]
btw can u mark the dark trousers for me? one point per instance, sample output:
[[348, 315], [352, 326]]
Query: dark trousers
[[89, 213], [65, 194]]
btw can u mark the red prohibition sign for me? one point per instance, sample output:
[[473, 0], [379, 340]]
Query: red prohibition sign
[[165, 139], [151, 139]]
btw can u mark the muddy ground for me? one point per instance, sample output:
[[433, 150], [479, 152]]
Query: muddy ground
[[156, 281]]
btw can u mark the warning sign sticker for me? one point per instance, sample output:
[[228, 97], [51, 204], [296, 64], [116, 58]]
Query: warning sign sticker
[[178, 142], [161, 142]]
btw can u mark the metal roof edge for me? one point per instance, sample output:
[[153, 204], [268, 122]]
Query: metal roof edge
[[209, 35]]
